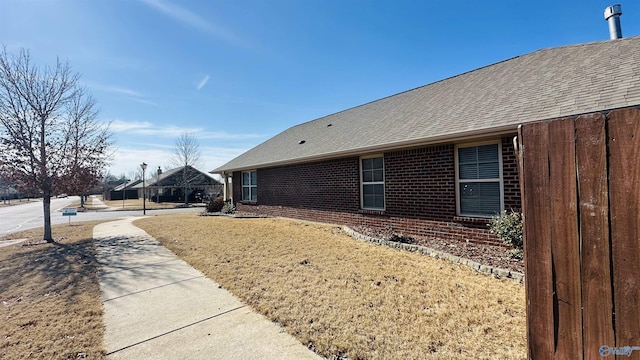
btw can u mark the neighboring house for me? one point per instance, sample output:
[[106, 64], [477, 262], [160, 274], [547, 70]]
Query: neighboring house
[[8, 190], [9, 193], [170, 186], [123, 191], [437, 160]]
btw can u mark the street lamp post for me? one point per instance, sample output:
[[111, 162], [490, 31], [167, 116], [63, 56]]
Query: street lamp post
[[144, 192]]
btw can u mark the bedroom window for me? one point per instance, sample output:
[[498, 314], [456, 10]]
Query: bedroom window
[[249, 186], [372, 183], [479, 179]]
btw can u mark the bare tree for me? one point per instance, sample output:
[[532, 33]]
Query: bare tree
[[50, 140], [186, 154]]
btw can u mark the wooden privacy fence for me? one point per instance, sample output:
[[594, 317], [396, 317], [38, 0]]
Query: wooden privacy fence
[[580, 182]]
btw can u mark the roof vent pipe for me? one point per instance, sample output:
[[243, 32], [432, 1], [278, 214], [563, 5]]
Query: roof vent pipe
[[612, 15]]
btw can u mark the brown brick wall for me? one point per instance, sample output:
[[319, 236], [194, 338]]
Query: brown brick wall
[[419, 193], [420, 183], [328, 185], [332, 185], [510, 176]]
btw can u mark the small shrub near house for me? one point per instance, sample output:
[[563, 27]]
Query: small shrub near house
[[228, 208], [401, 238], [508, 227], [215, 205]]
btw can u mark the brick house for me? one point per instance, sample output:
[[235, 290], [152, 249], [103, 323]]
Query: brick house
[[437, 160]]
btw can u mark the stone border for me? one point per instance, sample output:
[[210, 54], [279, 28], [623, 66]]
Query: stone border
[[437, 254], [233, 215]]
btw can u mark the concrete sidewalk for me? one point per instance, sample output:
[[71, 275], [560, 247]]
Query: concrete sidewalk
[[156, 306], [98, 205]]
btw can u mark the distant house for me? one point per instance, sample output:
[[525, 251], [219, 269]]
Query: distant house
[[9, 193], [170, 186], [123, 191], [437, 160]]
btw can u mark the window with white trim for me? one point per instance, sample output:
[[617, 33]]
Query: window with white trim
[[479, 179], [249, 186], [372, 183]]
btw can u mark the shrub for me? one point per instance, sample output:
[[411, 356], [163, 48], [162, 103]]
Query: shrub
[[401, 238], [508, 227], [215, 205], [228, 208]]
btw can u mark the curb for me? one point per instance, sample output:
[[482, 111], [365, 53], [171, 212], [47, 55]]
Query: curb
[[437, 254]]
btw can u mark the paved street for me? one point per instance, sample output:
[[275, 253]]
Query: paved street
[[29, 215]]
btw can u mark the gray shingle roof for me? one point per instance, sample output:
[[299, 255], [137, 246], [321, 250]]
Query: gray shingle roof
[[173, 177], [544, 84], [127, 185]]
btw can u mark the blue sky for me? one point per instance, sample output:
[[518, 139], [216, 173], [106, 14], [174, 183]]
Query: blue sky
[[237, 72]]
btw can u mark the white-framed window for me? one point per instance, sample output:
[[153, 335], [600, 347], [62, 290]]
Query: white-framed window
[[249, 186], [372, 182], [479, 188]]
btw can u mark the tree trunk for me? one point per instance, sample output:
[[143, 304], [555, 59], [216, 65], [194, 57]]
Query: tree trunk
[[46, 206]]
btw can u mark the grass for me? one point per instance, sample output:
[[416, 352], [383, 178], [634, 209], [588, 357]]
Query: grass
[[50, 297], [345, 298], [13, 202], [136, 204]]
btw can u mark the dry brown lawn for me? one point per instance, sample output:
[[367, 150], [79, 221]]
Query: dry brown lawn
[[343, 297], [136, 204], [12, 202], [50, 297]]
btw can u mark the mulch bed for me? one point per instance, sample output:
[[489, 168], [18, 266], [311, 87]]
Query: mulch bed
[[494, 256]]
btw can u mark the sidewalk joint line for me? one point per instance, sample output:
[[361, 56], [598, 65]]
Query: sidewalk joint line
[[174, 330], [133, 267], [153, 288]]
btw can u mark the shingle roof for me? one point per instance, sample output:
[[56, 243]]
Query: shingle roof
[[544, 84], [173, 177], [127, 185]]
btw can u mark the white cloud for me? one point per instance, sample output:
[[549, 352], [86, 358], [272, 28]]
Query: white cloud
[[127, 126], [143, 101], [146, 128], [127, 160], [113, 89], [202, 82], [132, 94], [192, 19]]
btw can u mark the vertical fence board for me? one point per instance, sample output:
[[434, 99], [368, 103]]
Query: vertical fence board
[[624, 188], [537, 241], [565, 246], [580, 184], [594, 232]]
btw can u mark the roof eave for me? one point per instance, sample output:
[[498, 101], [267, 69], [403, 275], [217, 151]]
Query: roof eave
[[464, 136]]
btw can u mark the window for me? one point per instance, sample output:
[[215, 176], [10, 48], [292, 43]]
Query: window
[[249, 186], [372, 183], [479, 179]]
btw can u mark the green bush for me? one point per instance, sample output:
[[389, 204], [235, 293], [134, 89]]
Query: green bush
[[228, 208], [508, 227], [215, 205]]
